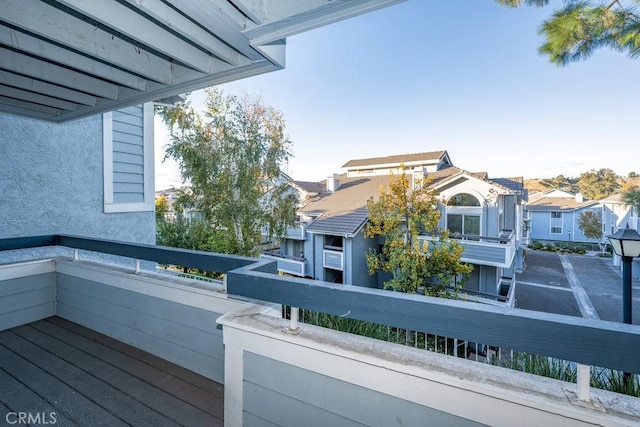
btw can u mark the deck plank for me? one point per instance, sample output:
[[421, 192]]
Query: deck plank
[[179, 388], [19, 398], [191, 377], [76, 406], [139, 391], [98, 391]]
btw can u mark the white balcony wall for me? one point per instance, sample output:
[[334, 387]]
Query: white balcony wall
[[27, 292], [170, 317], [322, 377]]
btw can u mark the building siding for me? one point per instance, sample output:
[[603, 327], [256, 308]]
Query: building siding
[[51, 182], [128, 155], [270, 385]]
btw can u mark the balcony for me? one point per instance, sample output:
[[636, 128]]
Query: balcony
[[485, 250], [288, 373], [296, 232], [286, 264], [333, 259]]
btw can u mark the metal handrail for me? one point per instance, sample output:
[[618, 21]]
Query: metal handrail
[[586, 341]]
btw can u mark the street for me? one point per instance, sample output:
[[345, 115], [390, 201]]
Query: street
[[575, 285]]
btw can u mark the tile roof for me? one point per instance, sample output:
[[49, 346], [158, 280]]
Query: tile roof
[[395, 159], [514, 184], [344, 211]]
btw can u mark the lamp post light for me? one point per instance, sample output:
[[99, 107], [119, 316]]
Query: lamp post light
[[626, 243]]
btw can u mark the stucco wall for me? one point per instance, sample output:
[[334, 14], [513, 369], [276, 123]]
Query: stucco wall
[[51, 181]]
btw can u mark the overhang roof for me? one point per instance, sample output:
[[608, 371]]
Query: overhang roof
[[66, 59]]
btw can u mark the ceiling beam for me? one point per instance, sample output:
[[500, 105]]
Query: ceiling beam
[[136, 26], [45, 71], [130, 97], [186, 28], [212, 16], [26, 112], [35, 46], [63, 28], [37, 98], [30, 106], [33, 85]]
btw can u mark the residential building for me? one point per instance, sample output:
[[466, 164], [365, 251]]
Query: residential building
[[484, 214], [553, 215]]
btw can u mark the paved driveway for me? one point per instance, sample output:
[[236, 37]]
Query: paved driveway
[[576, 285]]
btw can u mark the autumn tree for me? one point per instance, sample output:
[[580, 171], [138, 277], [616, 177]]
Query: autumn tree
[[233, 156], [400, 215], [578, 28], [590, 222], [162, 207], [596, 185]]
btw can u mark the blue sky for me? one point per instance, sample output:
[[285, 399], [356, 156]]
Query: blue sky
[[462, 76]]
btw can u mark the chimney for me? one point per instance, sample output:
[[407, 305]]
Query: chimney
[[579, 198], [333, 183], [418, 176]]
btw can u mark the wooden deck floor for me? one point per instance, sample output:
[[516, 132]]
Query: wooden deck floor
[[85, 378]]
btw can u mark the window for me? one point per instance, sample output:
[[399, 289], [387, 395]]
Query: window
[[128, 159], [464, 224], [556, 230], [556, 215], [463, 199]]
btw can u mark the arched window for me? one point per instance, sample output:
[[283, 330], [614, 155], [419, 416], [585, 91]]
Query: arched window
[[463, 199], [463, 214]]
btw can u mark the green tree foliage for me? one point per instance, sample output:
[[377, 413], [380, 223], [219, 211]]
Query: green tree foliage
[[580, 27], [563, 183], [400, 215], [590, 222], [596, 185], [233, 156], [632, 198]]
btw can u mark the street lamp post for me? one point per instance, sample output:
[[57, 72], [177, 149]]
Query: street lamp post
[[626, 244]]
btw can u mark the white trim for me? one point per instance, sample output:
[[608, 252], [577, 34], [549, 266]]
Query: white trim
[[107, 156], [149, 183]]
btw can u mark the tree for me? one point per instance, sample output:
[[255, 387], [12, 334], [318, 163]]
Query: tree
[[632, 198], [233, 157], [578, 28], [400, 215], [561, 182], [596, 185], [590, 222]]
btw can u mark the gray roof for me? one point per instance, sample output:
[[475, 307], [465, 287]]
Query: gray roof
[[311, 187], [344, 212], [515, 184], [396, 159], [558, 204]]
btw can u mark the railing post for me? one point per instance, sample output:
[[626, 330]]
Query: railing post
[[583, 381], [294, 318]]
